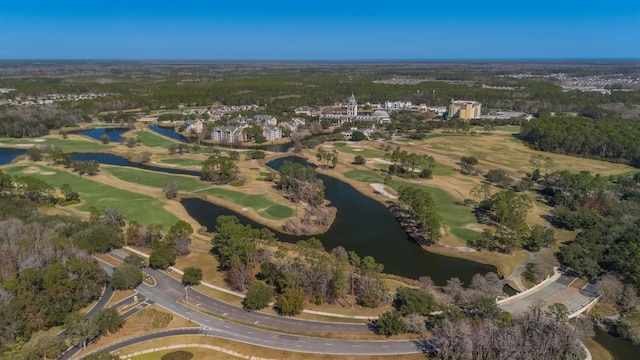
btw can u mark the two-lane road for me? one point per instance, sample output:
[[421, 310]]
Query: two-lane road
[[177, 291]]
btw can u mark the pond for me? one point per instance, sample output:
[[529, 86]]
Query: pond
[[365, 226], [114, 133], [8, 154], [619, 348], [110, 159], [168, 132]]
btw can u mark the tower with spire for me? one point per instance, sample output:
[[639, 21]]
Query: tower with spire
[[352, 107]]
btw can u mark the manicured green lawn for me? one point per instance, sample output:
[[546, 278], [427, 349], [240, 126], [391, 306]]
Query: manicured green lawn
[[263, 206], [442, 170], [155, 179], [259, 203], [93, 193], [182, 161], [153, 140], [367, 153], [65, 144], [364, 176], [453, 213], [509, 128]]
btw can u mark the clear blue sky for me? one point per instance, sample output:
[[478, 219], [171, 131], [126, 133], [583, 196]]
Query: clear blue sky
[[319, 30]]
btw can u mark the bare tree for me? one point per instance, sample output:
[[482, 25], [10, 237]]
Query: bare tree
[[171, 190]]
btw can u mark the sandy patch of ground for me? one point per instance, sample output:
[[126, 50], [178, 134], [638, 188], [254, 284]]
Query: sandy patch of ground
[[164, 164], [47, 173], [24, 145], [245, 209], [473, 227], [380, 189], [31, 170], [382, 161], [357, 149], [40, 140]]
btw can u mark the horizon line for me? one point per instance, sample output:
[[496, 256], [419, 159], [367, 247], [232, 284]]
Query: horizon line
[[326, 60]]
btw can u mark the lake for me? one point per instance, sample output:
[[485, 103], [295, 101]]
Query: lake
[[8, 154], [114, 134], [365, 226], [362, 225], [168, 132], [110, 159]]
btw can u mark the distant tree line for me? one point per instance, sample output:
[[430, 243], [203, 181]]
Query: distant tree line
[[35, 121]]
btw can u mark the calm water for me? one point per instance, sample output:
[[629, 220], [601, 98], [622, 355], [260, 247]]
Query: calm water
[[619, 348], [8, 154], [168, 132], [114, 134], [366, 227], [111, 159]]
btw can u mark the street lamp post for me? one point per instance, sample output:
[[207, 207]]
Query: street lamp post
[[186, 294]]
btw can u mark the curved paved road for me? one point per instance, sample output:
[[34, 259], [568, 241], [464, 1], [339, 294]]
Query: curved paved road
[[228, 330], [176, 291]]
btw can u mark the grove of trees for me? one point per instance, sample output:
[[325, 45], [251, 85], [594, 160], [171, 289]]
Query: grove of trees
[[603, 139]]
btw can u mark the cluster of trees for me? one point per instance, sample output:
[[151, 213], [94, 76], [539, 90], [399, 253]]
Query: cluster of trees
[[44, 276], [405, 164], [300, 184], [418, 215], [220, 169], [468, 165], [607, 213], [507, 211], [418, 309], [59, 157], [313, 275], [326, 157], [619, 298], [604, 139], [164, 247], [23, 121], [538, 334], [466, 323]]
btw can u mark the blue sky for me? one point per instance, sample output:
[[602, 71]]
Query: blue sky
[[319, 30]]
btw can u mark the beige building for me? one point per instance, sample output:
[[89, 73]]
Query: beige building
[[464, 109]]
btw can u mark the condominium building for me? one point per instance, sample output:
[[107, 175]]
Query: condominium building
[[464, 109]]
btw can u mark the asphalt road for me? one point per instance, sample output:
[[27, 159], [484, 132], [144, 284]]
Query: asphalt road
[[168, 291], [228, 330], [176, 291], [557, 291]]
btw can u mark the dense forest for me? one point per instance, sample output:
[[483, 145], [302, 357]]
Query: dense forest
[[607, 213], [47, 273], [603, 139]]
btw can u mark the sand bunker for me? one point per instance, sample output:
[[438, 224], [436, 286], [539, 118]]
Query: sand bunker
[[40, 140], [379, 188]]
